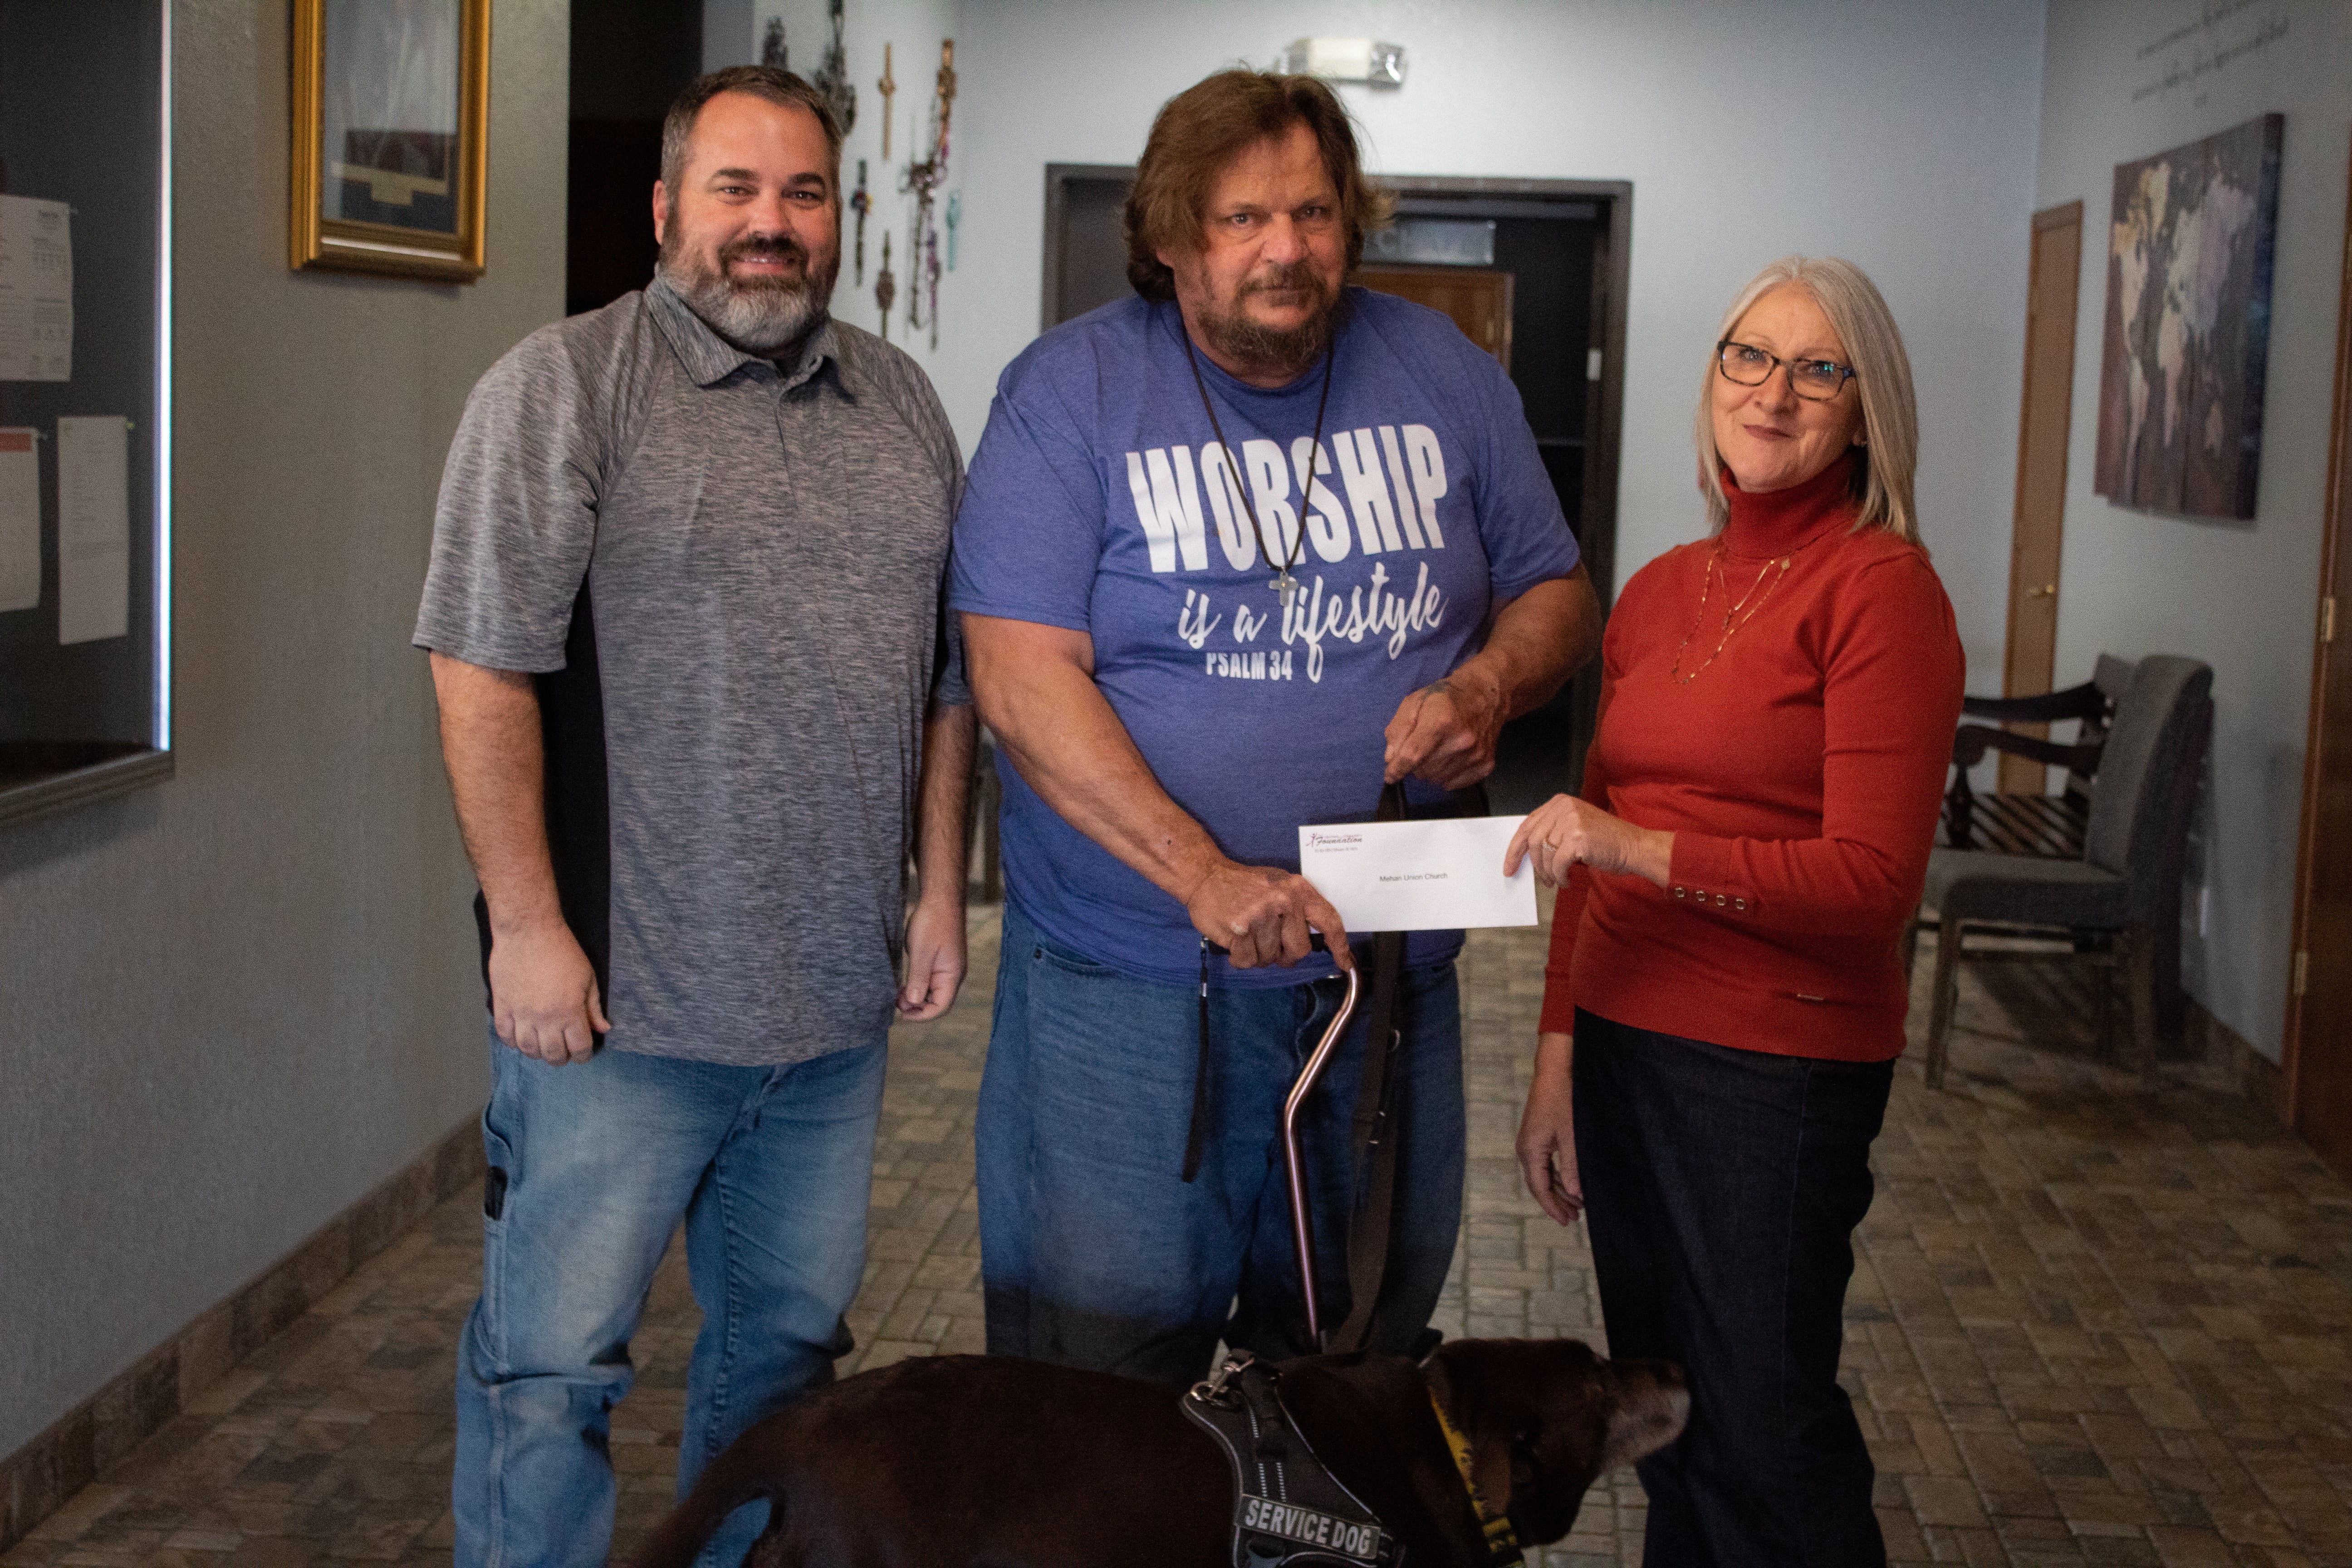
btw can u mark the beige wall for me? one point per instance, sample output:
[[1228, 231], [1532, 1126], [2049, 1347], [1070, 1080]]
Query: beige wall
[[237, 1002]]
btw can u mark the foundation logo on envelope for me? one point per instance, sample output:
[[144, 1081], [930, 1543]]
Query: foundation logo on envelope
[[1319, 842]]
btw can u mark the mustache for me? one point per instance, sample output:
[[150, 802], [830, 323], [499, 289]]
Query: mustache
[[1297, 275], [773, 247]]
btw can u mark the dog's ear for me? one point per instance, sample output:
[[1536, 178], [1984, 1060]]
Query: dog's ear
[[1494, 1391], [1648, 1413]]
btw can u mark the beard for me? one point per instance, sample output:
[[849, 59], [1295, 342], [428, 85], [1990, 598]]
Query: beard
[[1236, 335], [757, 315]]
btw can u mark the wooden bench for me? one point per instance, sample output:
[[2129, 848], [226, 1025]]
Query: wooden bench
[[2036, 823]]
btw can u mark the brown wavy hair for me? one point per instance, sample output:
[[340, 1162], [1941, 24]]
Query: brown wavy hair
[[1197, 132]]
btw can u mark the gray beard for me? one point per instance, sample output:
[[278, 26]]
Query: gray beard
[[1292, 350], [757, 317]]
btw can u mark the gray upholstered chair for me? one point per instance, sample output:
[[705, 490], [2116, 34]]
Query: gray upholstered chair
[[2125, 892]]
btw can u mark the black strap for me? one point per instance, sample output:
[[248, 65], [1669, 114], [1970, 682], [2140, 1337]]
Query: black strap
[[1197, 1138], [1378, 1125]]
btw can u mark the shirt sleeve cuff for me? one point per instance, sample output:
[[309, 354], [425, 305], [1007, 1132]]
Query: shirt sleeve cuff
[[1706, 874]]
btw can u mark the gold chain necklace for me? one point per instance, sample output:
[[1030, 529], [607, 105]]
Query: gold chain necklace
[[1732, 619]]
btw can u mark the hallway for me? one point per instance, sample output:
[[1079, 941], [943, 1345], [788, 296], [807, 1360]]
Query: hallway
[[2088, 1325]]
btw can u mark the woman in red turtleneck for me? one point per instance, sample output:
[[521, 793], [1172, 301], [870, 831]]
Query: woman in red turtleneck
[[1726, 994]]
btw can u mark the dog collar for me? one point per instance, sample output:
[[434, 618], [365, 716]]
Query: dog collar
[[1502, 1541]]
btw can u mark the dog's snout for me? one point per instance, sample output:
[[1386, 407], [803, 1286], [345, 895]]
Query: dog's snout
[[1652, 1406]]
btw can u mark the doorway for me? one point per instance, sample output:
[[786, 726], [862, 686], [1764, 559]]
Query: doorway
[[629, 59], [1542, 285], [2317, 1067], [2044, 413]]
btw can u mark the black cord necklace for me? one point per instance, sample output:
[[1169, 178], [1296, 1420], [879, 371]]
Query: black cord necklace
[[1283, 582]]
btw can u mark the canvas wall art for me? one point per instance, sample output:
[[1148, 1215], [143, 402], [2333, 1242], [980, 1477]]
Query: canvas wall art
[[2187, 324]]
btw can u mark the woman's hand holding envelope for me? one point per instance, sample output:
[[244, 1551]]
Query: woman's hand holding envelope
[[1565, 831]]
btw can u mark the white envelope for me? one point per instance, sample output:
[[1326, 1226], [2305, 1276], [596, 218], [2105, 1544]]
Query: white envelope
[[1419, 876]]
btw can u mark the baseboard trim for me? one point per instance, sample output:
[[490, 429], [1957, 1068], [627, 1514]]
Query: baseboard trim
[[2252, 1074], [40, 1478]]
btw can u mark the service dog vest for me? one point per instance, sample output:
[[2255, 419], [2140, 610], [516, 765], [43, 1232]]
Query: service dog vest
[[1289, 1509]]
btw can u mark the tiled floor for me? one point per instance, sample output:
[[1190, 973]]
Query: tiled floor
[[2091, 1324]]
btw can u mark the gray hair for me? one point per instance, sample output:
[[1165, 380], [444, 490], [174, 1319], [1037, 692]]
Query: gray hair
[[760, 81], [1890, 414]]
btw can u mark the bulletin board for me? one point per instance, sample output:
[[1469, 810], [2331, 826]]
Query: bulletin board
[[85, 388]]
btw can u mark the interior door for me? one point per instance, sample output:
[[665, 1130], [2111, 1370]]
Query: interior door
[[1477, 298], [2051, 292], [2317, 1071]]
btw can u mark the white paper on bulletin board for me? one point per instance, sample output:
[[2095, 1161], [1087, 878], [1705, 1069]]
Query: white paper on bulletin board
[[93, 528], [35, 290], [20, 520]]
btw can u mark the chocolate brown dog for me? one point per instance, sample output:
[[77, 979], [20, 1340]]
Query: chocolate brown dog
[[944, 1461]]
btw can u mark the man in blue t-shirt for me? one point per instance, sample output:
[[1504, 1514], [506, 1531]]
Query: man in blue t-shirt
[[1234, 555]]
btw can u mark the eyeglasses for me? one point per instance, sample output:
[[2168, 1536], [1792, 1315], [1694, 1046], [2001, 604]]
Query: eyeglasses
[[1817, 380]]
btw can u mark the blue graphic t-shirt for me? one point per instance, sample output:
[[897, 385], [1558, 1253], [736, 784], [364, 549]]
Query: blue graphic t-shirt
[[1100, 501]]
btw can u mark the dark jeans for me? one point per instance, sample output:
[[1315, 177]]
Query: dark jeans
[[1094, 1252], [1722, 1189]]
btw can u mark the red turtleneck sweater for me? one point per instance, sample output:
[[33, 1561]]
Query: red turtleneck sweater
[[1800, 773]]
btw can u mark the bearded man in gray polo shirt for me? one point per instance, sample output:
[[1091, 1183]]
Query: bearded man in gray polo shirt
[[697, 705]]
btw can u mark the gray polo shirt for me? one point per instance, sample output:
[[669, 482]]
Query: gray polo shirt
[[727, 578]]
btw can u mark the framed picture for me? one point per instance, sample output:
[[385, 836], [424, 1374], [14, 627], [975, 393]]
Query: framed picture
[[2190, 244], [391, 109]]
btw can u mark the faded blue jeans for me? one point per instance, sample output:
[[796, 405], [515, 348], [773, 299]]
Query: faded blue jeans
[[769, 1167], [1094, 1252]]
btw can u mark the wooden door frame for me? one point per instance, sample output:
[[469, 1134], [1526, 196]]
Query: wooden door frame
[[2332, 562], [2049, 217], [1604, 416]]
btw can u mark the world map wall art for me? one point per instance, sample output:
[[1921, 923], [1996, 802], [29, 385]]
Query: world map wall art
[[2189, 324]]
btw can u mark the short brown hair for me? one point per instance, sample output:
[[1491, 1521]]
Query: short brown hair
[[1198, 132], [760, 81]]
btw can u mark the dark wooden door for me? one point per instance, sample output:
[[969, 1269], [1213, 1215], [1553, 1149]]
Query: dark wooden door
[[2042, 421], [2317, 1068], [1478, 299]]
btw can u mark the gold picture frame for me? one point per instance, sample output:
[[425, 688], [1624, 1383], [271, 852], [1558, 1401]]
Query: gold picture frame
[[391, 137]]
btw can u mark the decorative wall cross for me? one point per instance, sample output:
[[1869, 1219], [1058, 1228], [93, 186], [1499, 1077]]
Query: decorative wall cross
[[922, 180], [832, 77], [885, 287], [888, 90], [861, 204]]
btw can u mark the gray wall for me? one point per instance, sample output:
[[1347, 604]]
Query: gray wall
[[2243, 596], [1917, 163], [236, 1003]]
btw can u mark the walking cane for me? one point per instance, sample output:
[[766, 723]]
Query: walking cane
[[1302, 1224]]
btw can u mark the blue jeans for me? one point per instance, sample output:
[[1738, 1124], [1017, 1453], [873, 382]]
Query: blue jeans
[[1093, 1250], [769, 1167], [1722, 1188]]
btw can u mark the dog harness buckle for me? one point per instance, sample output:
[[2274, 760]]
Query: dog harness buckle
[[1289, 1509]]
